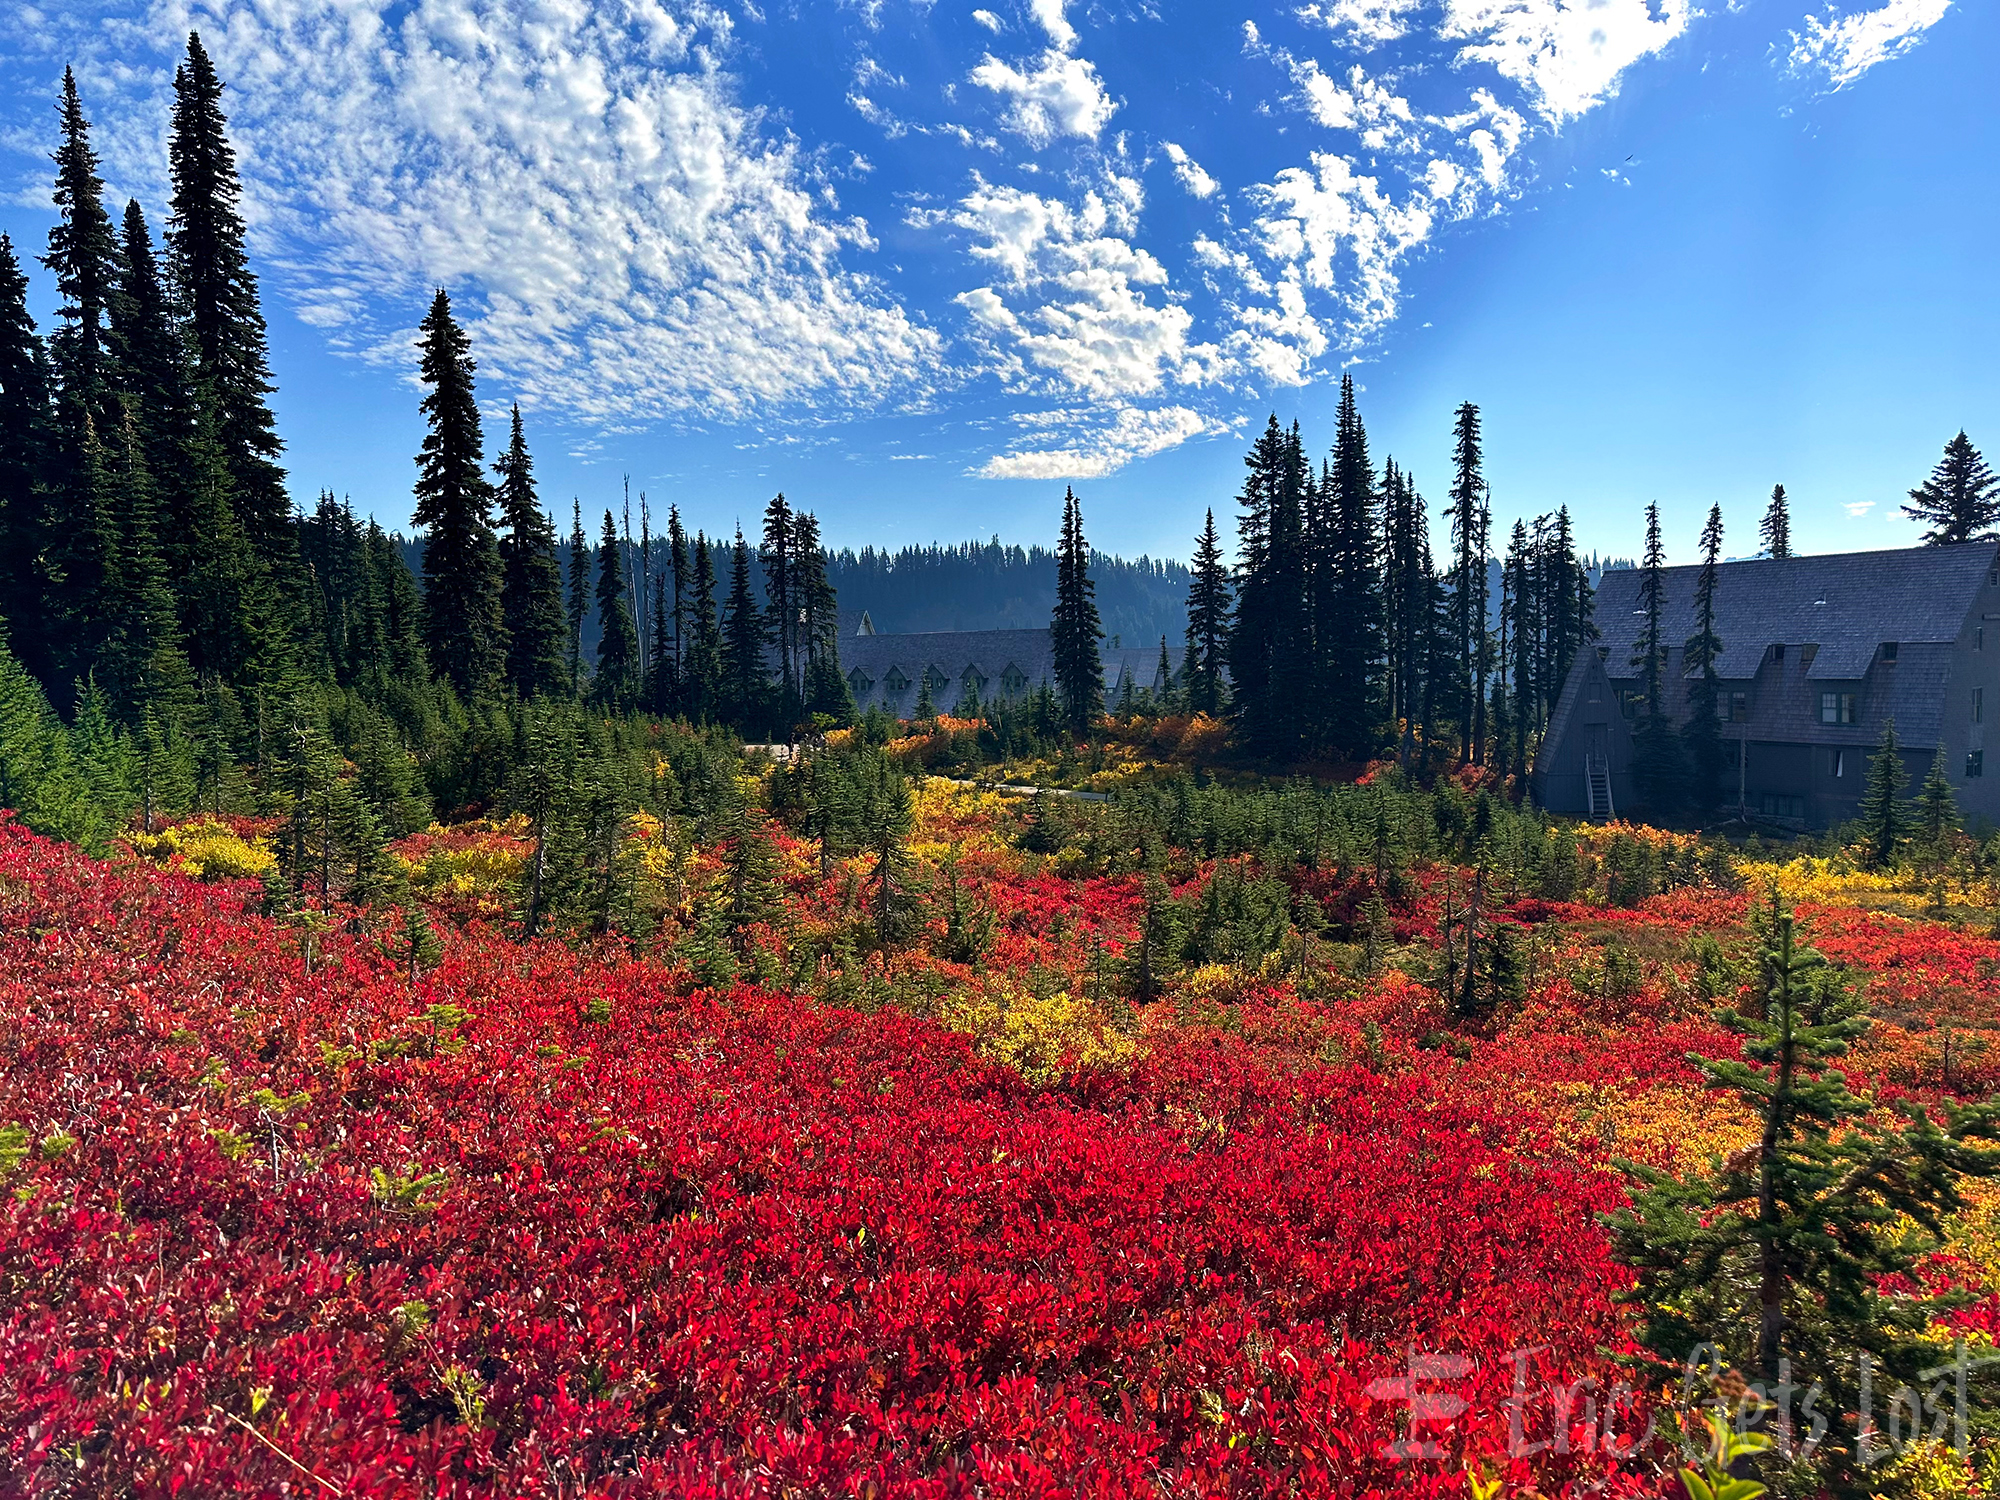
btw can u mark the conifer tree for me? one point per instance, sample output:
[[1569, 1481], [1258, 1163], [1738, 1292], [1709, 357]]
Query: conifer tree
[[1261, 537], [780, 608], [1411, 599], [84, 255], [1521, 616], [744, 685], [1793, 1257], [1349, 627], [1937, 809], [703, 671], [1469, 528], [579, 593], [454, 504], [1703, 730], [1884, 820], [24, 441], [750, 878], [1074, 630], [531, 597], [661, 681], [1208, 616], [616, 684], [1656, 761], [826, 692], [154, 379], [681, 578], [1776, 527], [211, 270], [1960, 502]]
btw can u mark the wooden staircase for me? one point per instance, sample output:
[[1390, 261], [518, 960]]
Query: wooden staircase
[[1597, 781]]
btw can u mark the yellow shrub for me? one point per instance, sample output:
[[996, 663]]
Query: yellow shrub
[[1816, 879], [207, 850], [1040, 1039]]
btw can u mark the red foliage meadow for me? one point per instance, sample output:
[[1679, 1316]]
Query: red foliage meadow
[[545, 1223]]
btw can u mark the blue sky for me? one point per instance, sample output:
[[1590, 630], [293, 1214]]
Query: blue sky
[[921, 265]]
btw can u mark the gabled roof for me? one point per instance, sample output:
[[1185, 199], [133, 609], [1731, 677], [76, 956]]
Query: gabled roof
[[1846, 603]]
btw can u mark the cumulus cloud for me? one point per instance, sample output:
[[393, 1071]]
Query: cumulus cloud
[[1056, 96], [1369, 22], [1339, 232], [1098, 444], [1189, 171], [1074, 306], [623, 240], [1567, 57], [1841, 49], [990, 21]]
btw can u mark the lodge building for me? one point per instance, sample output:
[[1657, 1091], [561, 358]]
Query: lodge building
[[1818, 653]]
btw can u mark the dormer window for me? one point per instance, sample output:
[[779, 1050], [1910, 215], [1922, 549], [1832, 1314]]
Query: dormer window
[[1889, 650], [859, 681], [895, 681], [1777, 653], [1012, 681]]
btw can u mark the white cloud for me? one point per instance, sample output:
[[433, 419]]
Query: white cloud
[[1057, 96], [1859, 508], [1075, 306], [1568, 57], [1369, 22], [990, 21], [1098, 446], [1189, 171], [1845, 48], [1049, 16], [622, 239], [1383, 118], [1341, 233]]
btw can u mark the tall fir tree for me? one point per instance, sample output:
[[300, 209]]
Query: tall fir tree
[[1960, 502], [825, 692], [745, 686], [463, 630], [1074, 628], [577, 612], [531, 594], [1350, 625], [1524, 615], [218, 289], [1776, 527], [1410, 594], [702, 669], [616, 683], [1257, 605], [780, 607], [1469, 525], [24, 442], [1656, 760], [680, 579], [1208, 619], [77, 551], [1702, 733]]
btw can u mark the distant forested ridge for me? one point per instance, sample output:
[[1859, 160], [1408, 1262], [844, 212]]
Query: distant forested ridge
[[990, 586], [969, 586]]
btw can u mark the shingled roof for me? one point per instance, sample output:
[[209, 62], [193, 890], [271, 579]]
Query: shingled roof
[[1845, 603]]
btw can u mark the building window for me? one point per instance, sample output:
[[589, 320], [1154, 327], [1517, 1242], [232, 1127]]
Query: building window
[[1975, 763], [1836, 708], [1979, 638], [859, 681], [1739, 708], [895, 682], [1774, 805], [1837, 762], [1011, 681], [1628, 703], [1889, 650], [1777, 653]]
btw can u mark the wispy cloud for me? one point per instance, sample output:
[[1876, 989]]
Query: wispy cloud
[[626, 243], [1841, 48], [1188, 171], [1098, 443]]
